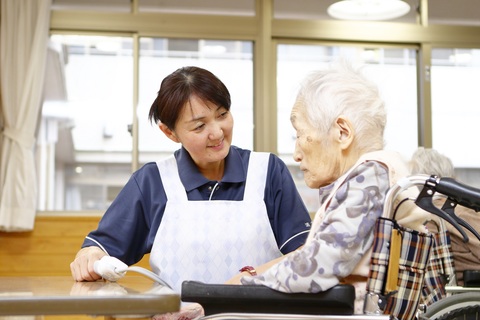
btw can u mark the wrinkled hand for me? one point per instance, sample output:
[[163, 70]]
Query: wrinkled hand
[[82, 267], [190, 312]]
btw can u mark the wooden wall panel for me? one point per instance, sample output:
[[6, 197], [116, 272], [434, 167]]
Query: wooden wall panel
[[48, 249]]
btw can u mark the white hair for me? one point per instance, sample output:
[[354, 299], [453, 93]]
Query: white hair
[[343, 90], [431, 162]]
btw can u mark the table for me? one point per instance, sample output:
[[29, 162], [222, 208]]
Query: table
[[50, 295]]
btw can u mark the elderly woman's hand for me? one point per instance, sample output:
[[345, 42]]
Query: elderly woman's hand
[[258, 269]]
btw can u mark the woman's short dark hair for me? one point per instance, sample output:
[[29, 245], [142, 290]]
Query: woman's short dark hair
[[177, 88]]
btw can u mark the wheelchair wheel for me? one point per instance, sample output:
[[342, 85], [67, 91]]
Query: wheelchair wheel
[[463, 306]]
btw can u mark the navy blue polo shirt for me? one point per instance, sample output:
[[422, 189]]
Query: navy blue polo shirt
[[129, 226]]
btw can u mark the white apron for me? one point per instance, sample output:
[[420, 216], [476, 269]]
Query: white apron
[[210, 241]]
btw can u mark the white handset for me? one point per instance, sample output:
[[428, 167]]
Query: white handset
[[112, 269]]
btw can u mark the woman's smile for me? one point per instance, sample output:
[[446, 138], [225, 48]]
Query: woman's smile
[[218, 146]]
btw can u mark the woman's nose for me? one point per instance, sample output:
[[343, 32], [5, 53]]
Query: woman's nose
[[216, 132]]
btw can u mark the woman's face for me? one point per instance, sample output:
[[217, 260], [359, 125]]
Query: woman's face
[[204, 130], [318, 154]]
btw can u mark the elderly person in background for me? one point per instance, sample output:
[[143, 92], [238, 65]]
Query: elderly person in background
[[339, 119], [466, 256], [430, 161]]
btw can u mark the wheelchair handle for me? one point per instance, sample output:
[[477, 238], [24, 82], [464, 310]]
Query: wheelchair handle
[[454, 190], [464, 195]]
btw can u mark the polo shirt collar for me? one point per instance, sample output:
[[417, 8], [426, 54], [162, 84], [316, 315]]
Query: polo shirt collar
[[235, 170]]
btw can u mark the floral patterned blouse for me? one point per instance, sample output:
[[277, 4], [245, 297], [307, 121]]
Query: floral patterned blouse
[[341, 238]]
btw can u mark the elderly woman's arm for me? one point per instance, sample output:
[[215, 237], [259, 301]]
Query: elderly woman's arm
[[339, 241], [259, 269]]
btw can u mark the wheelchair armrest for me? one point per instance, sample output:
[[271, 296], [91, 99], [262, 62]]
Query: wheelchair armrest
[[221, 298], [471, 278]]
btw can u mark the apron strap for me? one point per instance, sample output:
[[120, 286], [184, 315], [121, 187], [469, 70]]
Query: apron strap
[[174, 189], [254, 188], [256, 175]]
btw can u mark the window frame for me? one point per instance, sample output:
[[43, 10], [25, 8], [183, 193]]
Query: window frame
[[265, 31]]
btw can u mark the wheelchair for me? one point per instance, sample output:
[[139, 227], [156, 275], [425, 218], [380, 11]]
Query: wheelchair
[[235, 302]]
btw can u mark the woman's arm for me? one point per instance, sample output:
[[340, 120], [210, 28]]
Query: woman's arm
[[288, 215], [127, 227]]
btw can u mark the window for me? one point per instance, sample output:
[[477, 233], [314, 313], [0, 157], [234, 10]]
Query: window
[[83, 163], [85, 148], [456, 109]]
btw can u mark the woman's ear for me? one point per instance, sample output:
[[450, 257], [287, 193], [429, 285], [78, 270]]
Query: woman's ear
[[345, 132], [169, 133]]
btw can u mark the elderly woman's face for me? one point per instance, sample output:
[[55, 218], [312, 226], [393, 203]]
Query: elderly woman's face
[[318, 154]]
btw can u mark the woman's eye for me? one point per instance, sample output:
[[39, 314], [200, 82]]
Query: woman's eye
[[199, 127], [223, 114]]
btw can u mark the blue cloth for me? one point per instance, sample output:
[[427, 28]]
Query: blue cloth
[[128, 227]]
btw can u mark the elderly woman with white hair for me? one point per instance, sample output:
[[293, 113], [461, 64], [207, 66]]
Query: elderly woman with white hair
[[339, 119]]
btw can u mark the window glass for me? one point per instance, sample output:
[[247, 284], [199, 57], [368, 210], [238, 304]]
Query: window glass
[[84, 148], [393, 69], [231, 61], [456, 109], [216, 7]]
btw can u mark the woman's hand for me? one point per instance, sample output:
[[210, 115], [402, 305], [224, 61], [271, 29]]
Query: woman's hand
[[82, 266]]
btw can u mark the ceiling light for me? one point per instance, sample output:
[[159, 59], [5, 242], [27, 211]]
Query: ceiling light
[[368, 9]]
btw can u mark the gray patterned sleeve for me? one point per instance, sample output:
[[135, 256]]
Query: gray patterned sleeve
[[340, 241]]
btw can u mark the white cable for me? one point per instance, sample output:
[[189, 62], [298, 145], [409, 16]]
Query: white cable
[[213, 190], [98, 243], [112, 269], [149, 274]]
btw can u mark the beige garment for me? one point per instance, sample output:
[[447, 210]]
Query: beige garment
[[466, 256], [408, 214]]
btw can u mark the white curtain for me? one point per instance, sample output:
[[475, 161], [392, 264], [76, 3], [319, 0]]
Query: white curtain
[[23, 49]]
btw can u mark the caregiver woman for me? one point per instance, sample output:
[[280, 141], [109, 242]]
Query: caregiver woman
[[209, 209]]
